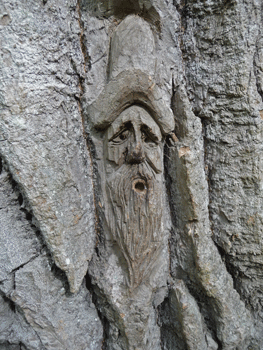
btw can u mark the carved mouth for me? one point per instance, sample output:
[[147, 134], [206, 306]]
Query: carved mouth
[[139, 185]]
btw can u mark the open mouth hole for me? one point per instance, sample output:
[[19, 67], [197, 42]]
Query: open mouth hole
[[139, 186]]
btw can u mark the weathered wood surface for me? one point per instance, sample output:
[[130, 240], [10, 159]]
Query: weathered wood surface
[[131, 174]]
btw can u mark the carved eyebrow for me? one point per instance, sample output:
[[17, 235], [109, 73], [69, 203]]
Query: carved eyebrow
[[148, 131], [123, 127]]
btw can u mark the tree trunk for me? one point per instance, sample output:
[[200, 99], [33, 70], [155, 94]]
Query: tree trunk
[[131, 174]]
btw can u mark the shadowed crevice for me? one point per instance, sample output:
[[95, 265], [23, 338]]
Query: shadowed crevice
[[24, 207], [86, 132], [95, 300], [257, 68]]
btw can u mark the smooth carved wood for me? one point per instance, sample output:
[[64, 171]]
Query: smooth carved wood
[[133, 150]]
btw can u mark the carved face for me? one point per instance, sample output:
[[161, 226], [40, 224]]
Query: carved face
[[134, 188], [133, 138]]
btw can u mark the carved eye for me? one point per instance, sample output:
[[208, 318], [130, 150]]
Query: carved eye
[[148, 137], [121, 137]]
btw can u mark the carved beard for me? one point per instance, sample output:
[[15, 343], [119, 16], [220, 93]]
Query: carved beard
[[134, 216]]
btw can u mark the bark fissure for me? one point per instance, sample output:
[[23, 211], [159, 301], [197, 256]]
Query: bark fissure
[[258, 69], [89, 144]]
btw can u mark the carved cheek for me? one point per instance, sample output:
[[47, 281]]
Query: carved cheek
[[117, 153], [154, 157]]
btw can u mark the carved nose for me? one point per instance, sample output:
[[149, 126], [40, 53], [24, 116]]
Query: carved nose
[[135, 154]]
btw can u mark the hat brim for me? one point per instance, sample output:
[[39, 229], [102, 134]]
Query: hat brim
[[130, 88]]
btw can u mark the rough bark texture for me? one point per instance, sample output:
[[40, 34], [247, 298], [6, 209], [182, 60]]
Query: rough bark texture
[[69, 69]]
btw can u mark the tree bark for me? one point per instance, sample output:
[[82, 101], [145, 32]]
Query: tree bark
[[73, 76]]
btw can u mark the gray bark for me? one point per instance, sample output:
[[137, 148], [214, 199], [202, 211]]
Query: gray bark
[[68, 72]]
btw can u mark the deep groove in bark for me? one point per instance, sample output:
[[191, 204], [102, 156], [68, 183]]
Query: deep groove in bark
[[258, 85], [89, 144], [94, 296], [95, 175], [29, 216], [24, 206]]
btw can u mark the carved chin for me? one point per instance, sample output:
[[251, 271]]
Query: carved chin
[[134, 216]]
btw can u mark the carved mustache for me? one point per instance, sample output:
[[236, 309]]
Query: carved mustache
[[138, 176]]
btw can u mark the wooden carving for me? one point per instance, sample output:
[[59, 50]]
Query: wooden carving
[[133, 150], [133, 121]]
